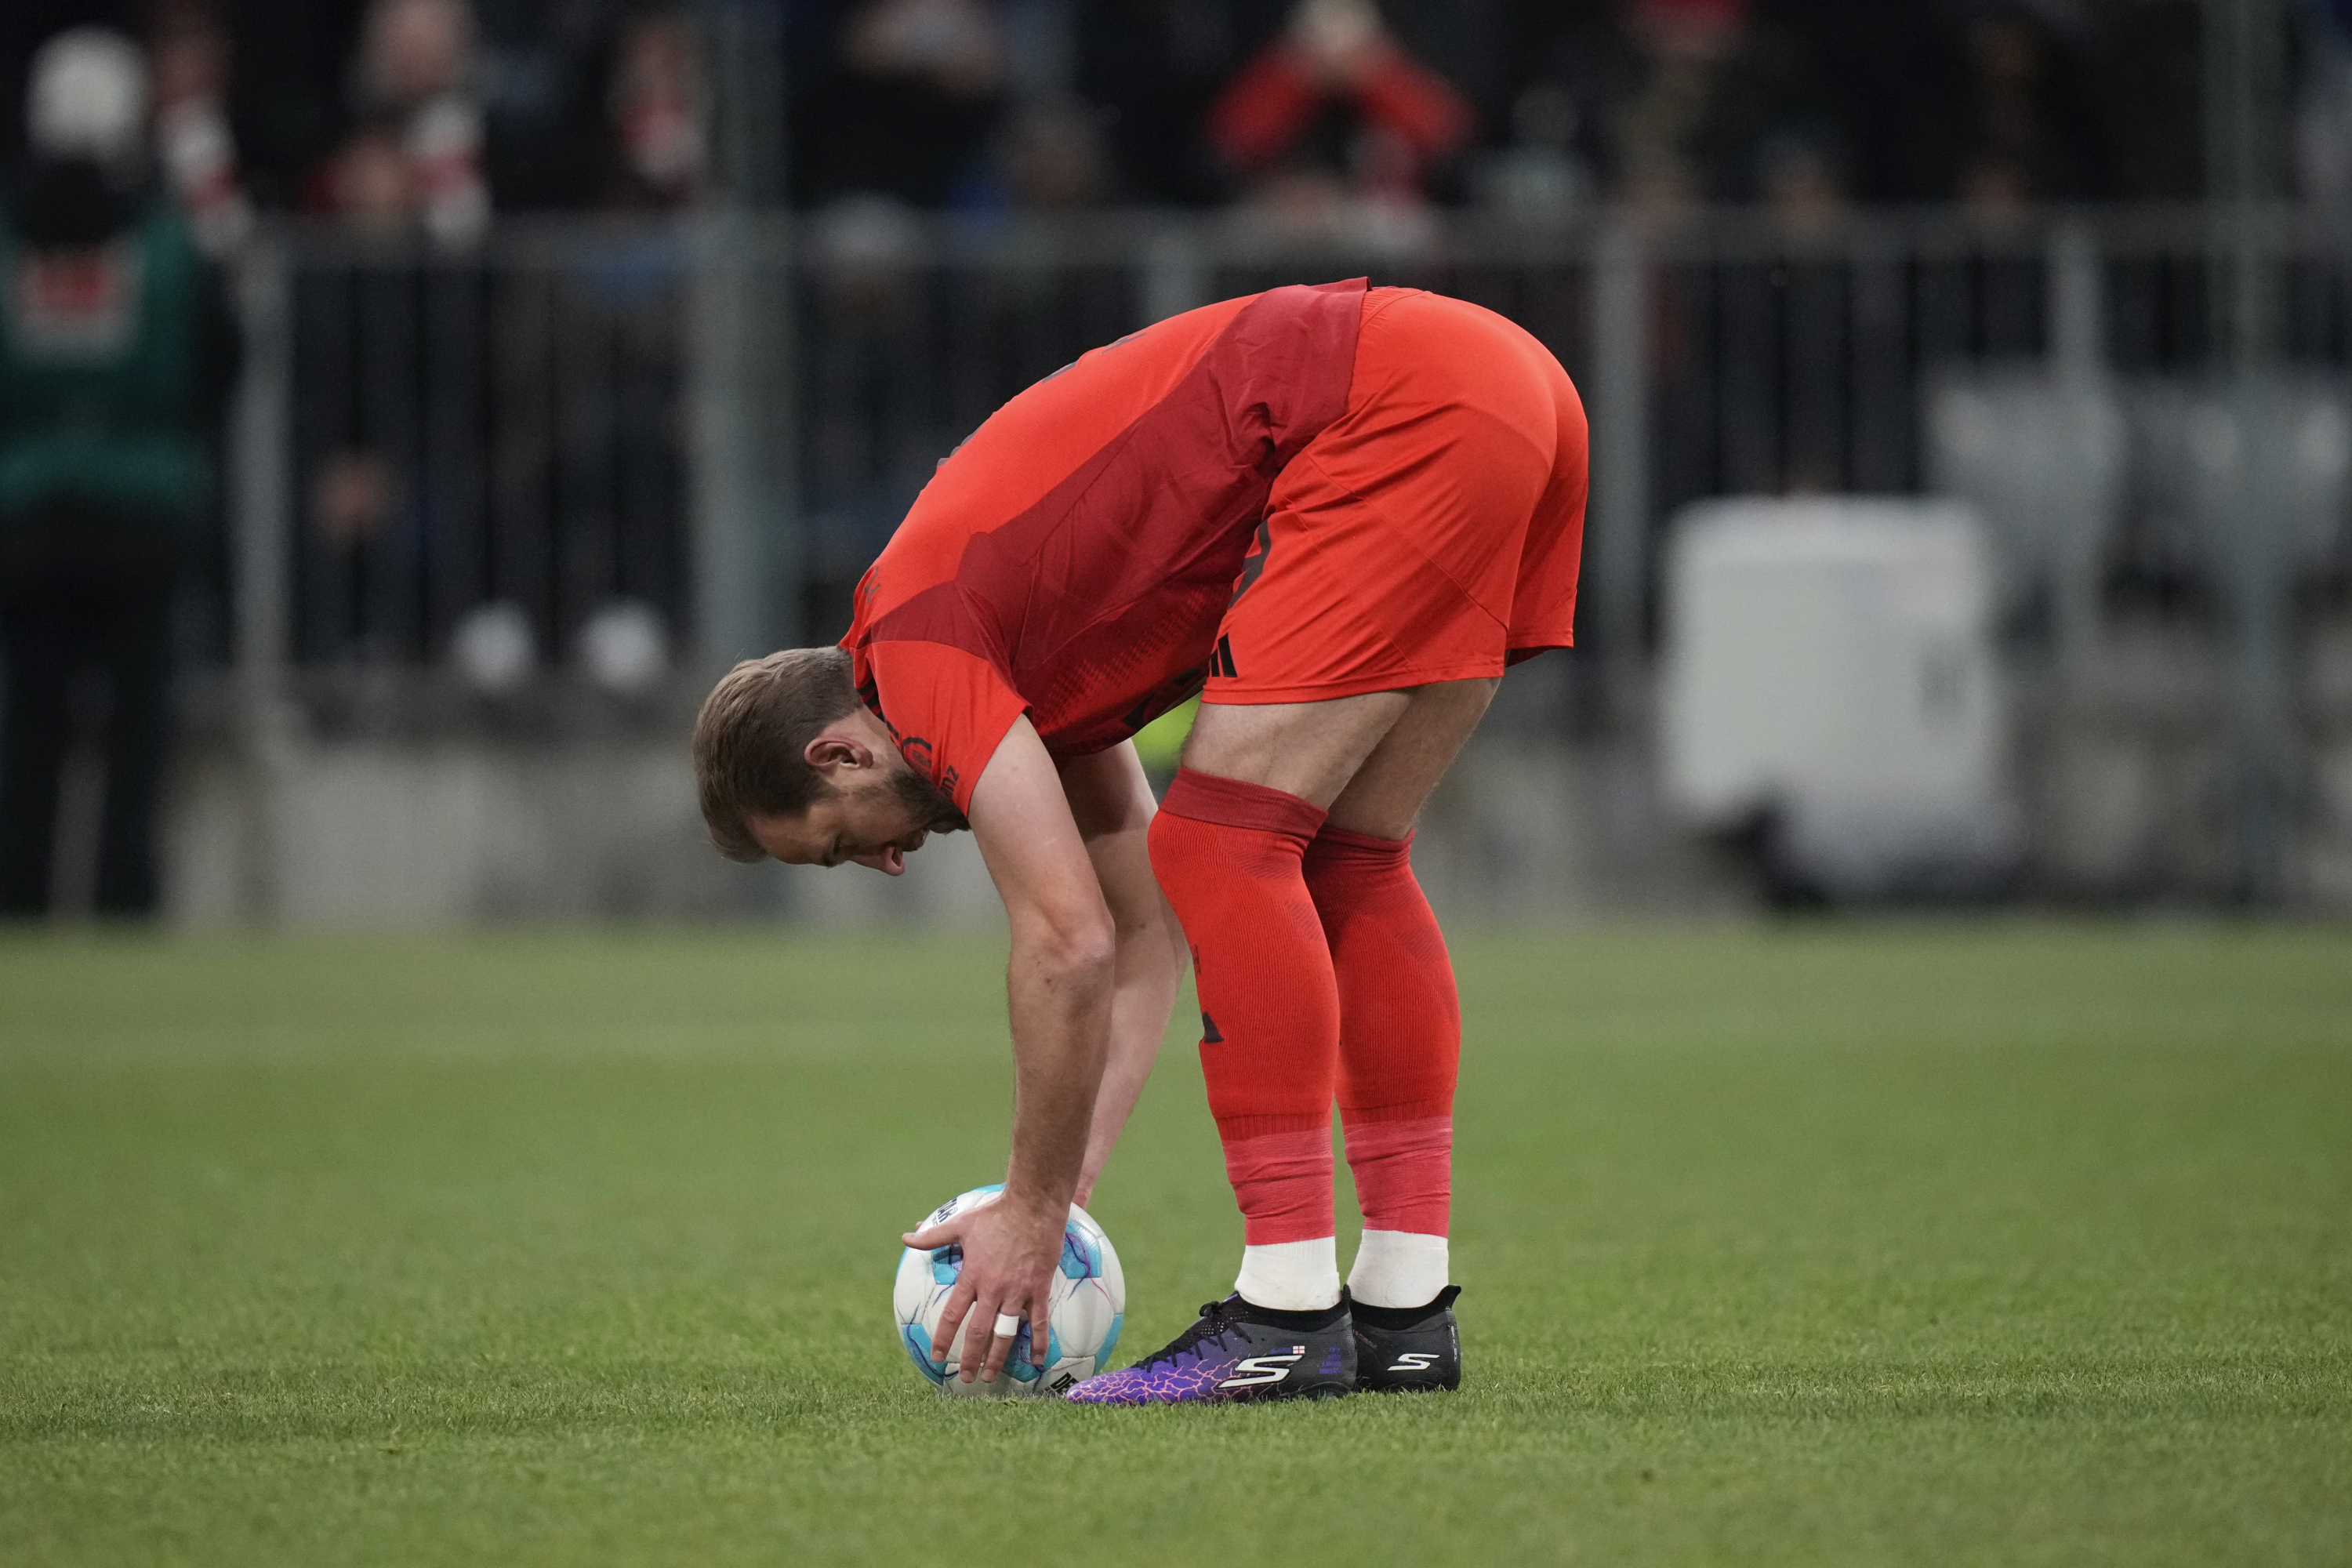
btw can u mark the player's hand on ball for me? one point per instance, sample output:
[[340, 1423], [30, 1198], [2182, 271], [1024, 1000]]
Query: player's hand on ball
[[1010, 1249]]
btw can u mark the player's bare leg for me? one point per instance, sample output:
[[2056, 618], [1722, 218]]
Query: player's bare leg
[[1310, 749], [1386, 792], [1372, 761]]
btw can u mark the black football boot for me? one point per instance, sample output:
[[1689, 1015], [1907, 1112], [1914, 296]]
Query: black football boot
[[1409, 1350]]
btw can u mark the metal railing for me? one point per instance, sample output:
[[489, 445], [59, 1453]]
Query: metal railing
[[715, 425], [723, 420], [423, 434]]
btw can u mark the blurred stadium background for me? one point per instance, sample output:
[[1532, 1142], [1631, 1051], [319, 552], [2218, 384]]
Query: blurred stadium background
[[1971, 393], [1969, 382]]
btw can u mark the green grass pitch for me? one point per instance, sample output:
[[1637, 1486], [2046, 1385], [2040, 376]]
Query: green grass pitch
[[2004, 1242]]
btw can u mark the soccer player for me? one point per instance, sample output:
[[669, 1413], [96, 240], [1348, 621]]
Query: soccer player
[[1337, 513]]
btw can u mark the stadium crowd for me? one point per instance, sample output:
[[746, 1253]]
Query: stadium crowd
[[398, 114]]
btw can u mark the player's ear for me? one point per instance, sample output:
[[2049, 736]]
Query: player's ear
[[833, 750]]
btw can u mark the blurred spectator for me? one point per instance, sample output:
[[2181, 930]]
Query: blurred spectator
[[371, 184], [1801, 181], [1540, 178], [1050, 156], [543, 70], [1335, 110], [659, 118], [416, 154], [1151, 69], [353, 494], [1877, 98], [1663, 121], [1697, 88], [2147, 62], [116, 353], [189, 55], [2323, 131], [908, 104], [2026, 114], [955, 46]]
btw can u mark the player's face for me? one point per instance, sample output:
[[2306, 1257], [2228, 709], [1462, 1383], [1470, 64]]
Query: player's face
[[876, 823]]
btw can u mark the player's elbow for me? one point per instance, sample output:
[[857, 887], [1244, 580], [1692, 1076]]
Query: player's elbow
[[1076, 946]]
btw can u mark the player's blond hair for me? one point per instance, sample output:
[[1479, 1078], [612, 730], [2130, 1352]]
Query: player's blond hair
[[751, 737]]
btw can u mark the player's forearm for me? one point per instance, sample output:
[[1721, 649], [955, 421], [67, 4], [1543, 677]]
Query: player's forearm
[[1061, 988], [1149, 965]]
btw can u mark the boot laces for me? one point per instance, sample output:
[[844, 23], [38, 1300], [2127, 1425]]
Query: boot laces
[[1215, 1318]]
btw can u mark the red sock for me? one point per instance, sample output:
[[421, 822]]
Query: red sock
[[1400, 1027], [1228, 856]]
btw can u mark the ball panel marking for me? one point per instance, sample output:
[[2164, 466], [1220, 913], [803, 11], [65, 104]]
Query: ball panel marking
[[1086, 1305]]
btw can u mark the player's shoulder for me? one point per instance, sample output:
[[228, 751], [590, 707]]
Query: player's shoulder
[[922, 555]]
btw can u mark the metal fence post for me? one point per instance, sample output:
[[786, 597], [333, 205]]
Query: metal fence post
[[259, 515], [1175, 275], [2245, 167], [1618, 548], [739, 374], [2078, 354], [2245, 163], [2252, 516], [744, 47], [733, 363], [2078, 364]]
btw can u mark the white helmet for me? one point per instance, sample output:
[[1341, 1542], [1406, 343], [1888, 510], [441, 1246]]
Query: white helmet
[[88, 97]]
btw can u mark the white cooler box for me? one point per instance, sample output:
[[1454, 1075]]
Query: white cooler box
[[1828, 667]]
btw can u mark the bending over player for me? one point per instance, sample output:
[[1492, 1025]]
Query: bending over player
[[1337, 513]]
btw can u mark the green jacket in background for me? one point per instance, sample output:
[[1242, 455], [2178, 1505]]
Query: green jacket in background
[[102, 373]]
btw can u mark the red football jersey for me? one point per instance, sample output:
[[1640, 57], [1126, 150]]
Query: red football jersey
[[1072, 559]]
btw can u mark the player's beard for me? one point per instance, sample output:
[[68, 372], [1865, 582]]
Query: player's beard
[[933, 812]]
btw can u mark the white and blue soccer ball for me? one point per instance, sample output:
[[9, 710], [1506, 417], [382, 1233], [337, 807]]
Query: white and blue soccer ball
[[1085, 1309]]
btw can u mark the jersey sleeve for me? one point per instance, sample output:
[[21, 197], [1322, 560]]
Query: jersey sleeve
[[947, 708]]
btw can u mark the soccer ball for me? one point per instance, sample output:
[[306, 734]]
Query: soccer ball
[[1085, 1309]]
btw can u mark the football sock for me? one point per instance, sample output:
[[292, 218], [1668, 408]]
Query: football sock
[[1228, 856], [1397, 1268], [1400, 1050], [1291, 1276], [1404, 1173]]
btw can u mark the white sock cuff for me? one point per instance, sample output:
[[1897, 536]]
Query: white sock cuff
[[1399, 1268], [1291, 1276]]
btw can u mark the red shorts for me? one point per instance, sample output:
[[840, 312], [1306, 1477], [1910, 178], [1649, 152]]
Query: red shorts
[[1431, 533]]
